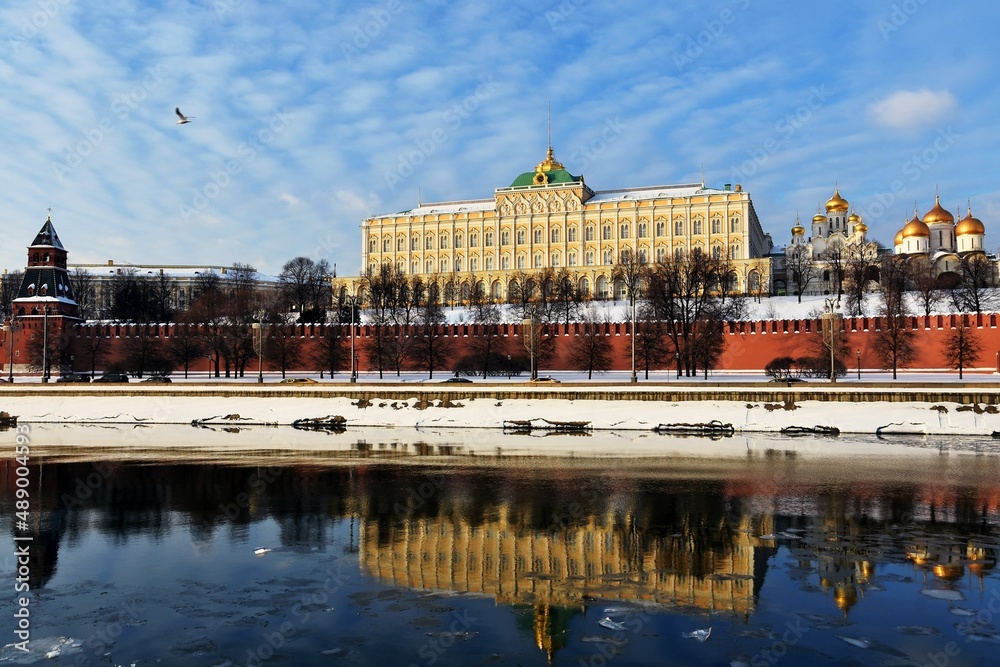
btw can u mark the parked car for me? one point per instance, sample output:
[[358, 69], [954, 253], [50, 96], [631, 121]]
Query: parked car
[[299, 381], [458, 380], [545, 380], [74, 377], [112, 377], [788, 380], [158, 379]]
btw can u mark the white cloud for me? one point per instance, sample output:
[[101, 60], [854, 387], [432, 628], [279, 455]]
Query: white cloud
[[289, 199], [913, 109]]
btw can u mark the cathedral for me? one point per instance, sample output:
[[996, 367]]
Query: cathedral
[[938, 237]]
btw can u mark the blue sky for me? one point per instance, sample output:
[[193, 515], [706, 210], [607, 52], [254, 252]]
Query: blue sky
[[311, 115]]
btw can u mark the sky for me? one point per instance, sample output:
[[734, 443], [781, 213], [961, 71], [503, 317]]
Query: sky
[[309, 116]]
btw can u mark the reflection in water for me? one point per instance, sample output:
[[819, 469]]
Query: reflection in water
[[550, 538]]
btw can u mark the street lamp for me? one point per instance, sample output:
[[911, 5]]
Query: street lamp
[[831, 316], [528, 326], [859, 364], [631, 293], [508, 366], [354, 305], [677, 361], [45, 344], [12, 327], [259, 326]]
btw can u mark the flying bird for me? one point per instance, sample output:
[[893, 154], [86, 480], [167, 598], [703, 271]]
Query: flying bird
[[182, 118]]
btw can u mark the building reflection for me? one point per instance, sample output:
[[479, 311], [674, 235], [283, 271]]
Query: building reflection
[[551, 541]]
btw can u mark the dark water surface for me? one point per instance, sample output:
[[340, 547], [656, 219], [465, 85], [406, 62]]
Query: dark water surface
[[789, 555]]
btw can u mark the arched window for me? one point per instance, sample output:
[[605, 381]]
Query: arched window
[[571, 234], [734, 225], [716, 252], [505, 262], [474, 264], [589, 233], [572, 259], [458, 240], [538, 235], [661, 228], [520, 261], [643, 230], [415, 242], [473, 240], [429, 242], [623, 230], [678, 227], [521, 236], [554, 259], [444, 242], [504, 238], [400, 244], [538, 260], [386, 244], [489, 263], [606, 232], [716, 225], [458, 263], [554, 235], [372, 247], [609, 257], [697, 226]]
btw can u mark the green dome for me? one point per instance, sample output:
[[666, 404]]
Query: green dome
[[555, 177]]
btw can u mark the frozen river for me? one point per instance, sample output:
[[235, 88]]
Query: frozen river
[[274, 546]]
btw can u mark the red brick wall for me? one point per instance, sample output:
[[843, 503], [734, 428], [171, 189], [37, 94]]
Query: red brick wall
[[748, 345]]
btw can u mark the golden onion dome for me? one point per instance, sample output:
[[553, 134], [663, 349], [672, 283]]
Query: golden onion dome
[[899, 238], [854, 217], [836, 202], [969, 225], [798, 229], [916, 227], [819, 217], [949, 571], [938, 214], [861, 228]]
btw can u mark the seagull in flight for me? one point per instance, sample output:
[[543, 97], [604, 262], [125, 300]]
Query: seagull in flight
[[181, 117]]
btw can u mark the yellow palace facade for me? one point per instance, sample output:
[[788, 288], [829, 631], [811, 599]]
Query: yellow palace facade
[[550, 219]]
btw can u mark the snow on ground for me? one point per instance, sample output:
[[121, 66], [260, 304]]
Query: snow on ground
[[450, 407]]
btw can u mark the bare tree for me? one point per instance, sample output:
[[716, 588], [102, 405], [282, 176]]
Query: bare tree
[[836, 258], [922, 281], [591, 350], [185, 345], [894, 340], [430, 350], [84, 287], [331, 352], [10, 284], [963, 347], [799, 266], [305, 287], [282, 347], [861, 270], [974, 292]]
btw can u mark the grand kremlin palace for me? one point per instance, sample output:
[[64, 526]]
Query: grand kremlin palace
[[549, 218]]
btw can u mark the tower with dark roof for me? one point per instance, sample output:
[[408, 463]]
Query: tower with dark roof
[[44, 308]]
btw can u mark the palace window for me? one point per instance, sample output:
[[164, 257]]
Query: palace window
[[386, 244], [716, 252], [555, 259], [678, 228], [606, 232], [415, 267], [415, 242], [458, 263], [623, 231], [473, 240], [521, 236], [489, 263], [571, 234], [372, 247], [504, 238], [474, 264], [505, 263], [489, 239], [697, 226], [400, 244], [444, 266], [661, 228], [444, 242], [538, 236], [678, 253], [643, 256], [429, 266], [458, 240], [609, 257], [589, 258], [661, 254], [589, 233], [520, 261], [734, 252], [716, 226], [554, 235], [538, 260], [572, 259], [643, 230], [734, 225], [429, 242]]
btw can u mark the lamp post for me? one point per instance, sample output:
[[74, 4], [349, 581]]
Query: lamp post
[[12, 327], [631, 294], [354, 305], [45, 344], [508, 366], [528, 325], [831, 316], [677, 361], [859, 364], [259, 326]]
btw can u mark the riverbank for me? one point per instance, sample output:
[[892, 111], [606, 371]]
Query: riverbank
[[940, 410]]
